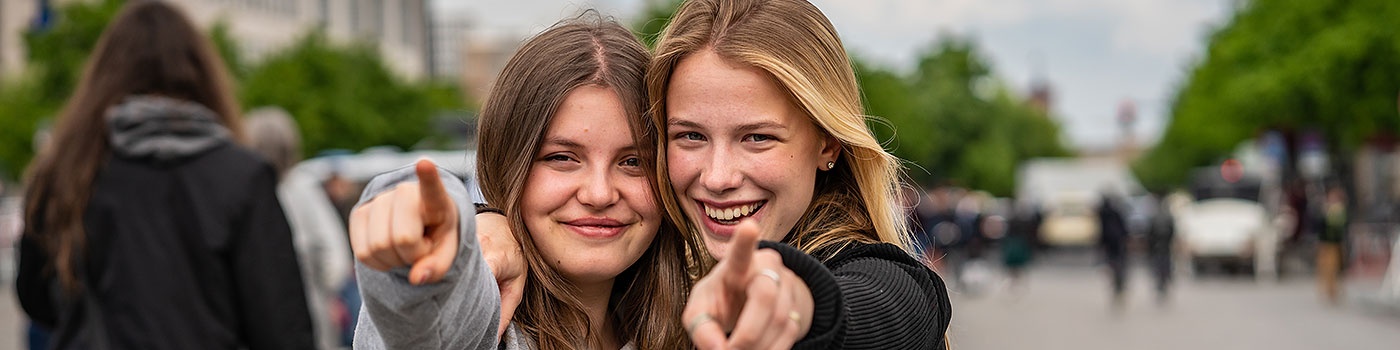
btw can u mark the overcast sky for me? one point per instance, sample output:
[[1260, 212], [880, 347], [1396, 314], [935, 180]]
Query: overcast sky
[[1096, 53]]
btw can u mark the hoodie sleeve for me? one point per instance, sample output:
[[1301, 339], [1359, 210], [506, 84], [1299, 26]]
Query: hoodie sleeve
[[460, 312]]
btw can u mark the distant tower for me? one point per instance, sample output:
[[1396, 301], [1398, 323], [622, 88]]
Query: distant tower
[[1127, 119], [1042, 97]]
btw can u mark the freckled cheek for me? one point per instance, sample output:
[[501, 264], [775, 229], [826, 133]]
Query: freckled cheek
[[637, 192], [683, 167], [781, 168]]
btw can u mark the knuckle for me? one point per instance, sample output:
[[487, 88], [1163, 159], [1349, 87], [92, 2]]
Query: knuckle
[[404, 240]]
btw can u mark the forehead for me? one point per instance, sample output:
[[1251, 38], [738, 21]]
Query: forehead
[[591, 113], [705, 85]]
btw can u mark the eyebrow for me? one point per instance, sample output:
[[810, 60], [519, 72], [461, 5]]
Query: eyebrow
[[740, 128], [574, 145], [566, 143], [761, 125]]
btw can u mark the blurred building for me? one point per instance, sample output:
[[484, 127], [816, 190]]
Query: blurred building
[[484, 57], [399, 28], [16, 16], [1042, 97], [449, 40]]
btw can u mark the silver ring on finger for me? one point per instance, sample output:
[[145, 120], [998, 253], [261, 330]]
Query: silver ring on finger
[[696, 322], [773, 275]]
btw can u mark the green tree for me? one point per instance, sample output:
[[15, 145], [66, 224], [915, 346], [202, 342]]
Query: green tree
[[954, 121], [656, 15], [1331, 66], [345, 97], [55, 61]]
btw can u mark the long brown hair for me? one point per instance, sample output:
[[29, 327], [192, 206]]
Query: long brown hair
[[149, 48], [584, 51], [798, 47]]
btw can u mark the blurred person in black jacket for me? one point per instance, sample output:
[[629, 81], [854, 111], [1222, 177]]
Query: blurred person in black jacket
[[147, 225], [1161, 237], [1113, 242]]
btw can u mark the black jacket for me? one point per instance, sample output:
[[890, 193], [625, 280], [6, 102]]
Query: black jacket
[[870, 296], [185, 250]]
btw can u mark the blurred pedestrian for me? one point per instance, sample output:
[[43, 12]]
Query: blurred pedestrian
[[318, 232], [1019, 243], [147, 226], [1329, 247], [1161, 236], [1113, 245]]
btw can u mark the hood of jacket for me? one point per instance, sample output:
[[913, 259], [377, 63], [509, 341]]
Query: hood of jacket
[[163, 128]]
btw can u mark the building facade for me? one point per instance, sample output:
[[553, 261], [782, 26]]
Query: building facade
[[399, 28]]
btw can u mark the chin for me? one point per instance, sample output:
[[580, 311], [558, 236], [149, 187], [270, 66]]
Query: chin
[[716, 248]]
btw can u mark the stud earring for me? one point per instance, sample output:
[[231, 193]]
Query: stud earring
[[830, 165]]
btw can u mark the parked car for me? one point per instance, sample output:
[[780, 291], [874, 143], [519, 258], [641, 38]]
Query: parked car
[[1224, 224]]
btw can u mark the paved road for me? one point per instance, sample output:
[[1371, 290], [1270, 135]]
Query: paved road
[[1066, 306]]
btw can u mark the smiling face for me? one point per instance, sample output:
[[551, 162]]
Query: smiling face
[[587, 203], [739, 149]]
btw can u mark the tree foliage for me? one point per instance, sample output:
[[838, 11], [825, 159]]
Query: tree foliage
[[341, 96], [954, 121], [55, 61], [654, 18], [344, 97], [1330, 66]]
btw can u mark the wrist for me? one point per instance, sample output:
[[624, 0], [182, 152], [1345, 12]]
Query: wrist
[[483, 208]]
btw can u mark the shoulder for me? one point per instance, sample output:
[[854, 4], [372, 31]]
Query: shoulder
[[837, 256], [232, 165]]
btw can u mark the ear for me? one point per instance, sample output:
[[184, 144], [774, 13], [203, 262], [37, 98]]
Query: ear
[[830, 151]]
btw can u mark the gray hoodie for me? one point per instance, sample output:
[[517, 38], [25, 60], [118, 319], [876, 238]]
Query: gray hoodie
[[162, 128], [460, 312]]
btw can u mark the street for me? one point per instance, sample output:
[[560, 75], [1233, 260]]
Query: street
[[1066, 306]]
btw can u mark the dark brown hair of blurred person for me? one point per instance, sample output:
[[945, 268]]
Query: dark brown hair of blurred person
[[580, 52], [150, 48]]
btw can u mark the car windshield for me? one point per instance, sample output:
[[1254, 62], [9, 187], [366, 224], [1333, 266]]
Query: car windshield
[[1208, 184]]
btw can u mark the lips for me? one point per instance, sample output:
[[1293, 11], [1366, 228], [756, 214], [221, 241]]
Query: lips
[[596, 227], [733, 213]]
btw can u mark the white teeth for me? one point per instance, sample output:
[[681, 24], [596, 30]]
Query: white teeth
[[731, 213]]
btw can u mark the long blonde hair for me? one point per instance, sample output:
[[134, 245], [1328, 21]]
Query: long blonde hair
[[586, 51], [794, 43]]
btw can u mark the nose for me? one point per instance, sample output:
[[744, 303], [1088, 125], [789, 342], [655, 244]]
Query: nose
[[721, 173], [597, 190]]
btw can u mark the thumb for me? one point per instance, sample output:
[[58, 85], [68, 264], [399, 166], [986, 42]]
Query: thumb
[[740, 254], [431, 268], [437, 205], [511, 294]]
